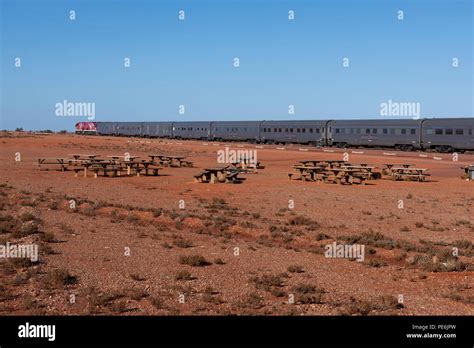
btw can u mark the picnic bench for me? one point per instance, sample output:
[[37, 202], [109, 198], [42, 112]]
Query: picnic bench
[[330, 173], [409, 173], [59, 163], [306, 173], [366, 171], [388, 167], [171, 161], [218, 174]]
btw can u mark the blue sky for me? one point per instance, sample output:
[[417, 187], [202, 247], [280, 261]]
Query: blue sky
[[190, 62]]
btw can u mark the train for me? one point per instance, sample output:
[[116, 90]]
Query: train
[[436, 134]]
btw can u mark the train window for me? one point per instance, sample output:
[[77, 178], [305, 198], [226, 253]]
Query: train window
[[374, 130], [429, 131], [279, 130], [303, 130], [311, 130], [291, 130], [317, 130], [275, 130], [448, 131], [337, 130], [438, 131], [470, 131], [298, 130], [459, 131], [404, 131], [412, 131], [385, 131], [367, 131], [286, 130]]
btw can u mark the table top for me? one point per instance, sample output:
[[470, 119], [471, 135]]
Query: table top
[[55, 158], [216, 169], [360, 167], [308, 167], [395, 164], [410, 169]]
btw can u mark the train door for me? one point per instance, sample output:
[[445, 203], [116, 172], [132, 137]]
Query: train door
[[328, 132]]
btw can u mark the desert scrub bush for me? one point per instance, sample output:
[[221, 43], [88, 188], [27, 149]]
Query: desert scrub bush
[[182, 243], [295, 269], [26, 229], [137, 277], [183, 275], [59, 278], [88, 211], [194, 260], [219, 261], [252, 300], [379, 304], [53, 204], [307, 293], [272, 283], [157, 302], [48, 237], [322, 236], [99, 299], [376, 263], [300, 220], [7, 223]]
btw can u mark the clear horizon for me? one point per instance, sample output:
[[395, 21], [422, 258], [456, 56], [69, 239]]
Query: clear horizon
[[190, 62]]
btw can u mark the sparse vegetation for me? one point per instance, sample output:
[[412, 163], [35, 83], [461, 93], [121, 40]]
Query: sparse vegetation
[[194, 260]]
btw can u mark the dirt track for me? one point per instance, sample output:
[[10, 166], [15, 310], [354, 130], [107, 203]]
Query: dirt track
[[408, 251]]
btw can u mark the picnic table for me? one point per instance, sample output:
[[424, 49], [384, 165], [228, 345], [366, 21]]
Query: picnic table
[[305, 171], [409, 173], [63, 163], [147, 165], [346, 176], [97, 166], [368, 171], [77, 157], [217, 174], [246, 167], [171, 160], [388, 167]]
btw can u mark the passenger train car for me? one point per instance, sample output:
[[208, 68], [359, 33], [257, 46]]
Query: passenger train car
[[439, 134]]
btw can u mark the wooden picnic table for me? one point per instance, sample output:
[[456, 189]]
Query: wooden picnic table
[[305, 170], [409, 173], [171, 160], [218, 174], [149, 164], [78, 156], [389, 166], [62, 162], [125, 158]]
